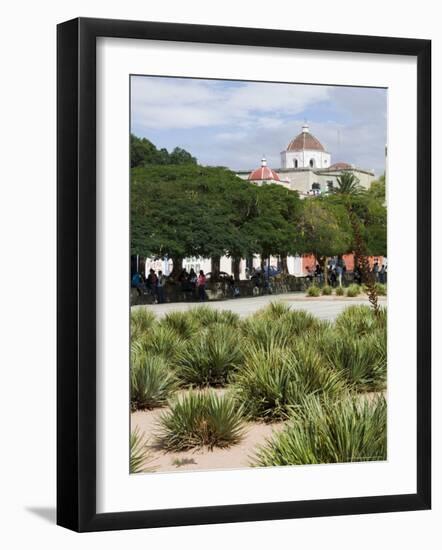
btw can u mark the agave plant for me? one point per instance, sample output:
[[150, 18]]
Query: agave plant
[[327, 290], [275, 310], [141, 321], [323, 432], [152, 382], [363, 360], [313, 291], [181, 322], [229, 318], [353, 290], [360, 320], [204, 316], [381, 289], [210, 357], [139, 458], [264, 333], [161, 340], [301, 322], [275, 380], [201, 419]]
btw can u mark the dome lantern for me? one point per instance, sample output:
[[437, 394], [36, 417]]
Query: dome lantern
[[263, 174]]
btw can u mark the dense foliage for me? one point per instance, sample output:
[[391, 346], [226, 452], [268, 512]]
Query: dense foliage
[[323, 432], [192, 210], [186, 210], [201, 419], [268, 367], [144, 153]]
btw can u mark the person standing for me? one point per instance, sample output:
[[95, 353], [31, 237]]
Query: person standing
[[160, 287], [137, 282], [152, 283], [376, 271], [201, 284], [339, 272], [382, 275], [192, 278]]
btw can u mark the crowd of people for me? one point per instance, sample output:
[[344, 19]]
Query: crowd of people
[[195, 284], [155, 284], [336, 271]]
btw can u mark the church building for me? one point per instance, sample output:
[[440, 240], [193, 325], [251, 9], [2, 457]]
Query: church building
[[306, 167]]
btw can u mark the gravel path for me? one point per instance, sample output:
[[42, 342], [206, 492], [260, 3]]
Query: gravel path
[[324, 307]]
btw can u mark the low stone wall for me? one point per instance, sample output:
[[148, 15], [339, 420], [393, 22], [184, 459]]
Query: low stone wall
[[174, 292]]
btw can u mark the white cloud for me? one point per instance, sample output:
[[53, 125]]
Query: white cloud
[[233, 124], [170, 103]]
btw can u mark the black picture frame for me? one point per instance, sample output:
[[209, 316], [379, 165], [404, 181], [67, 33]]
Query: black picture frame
[[76, 272]]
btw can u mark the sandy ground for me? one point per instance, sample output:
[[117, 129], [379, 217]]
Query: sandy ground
[[324, 307], [237, 456], [256, 434]]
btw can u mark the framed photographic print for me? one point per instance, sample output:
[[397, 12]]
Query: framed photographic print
[[238, 210]]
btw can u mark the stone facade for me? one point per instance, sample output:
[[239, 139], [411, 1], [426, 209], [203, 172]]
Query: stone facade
[[306, 167]]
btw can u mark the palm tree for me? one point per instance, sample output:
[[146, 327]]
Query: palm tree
[[348, 184]]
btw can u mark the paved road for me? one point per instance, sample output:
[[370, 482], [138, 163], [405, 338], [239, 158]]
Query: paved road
[[326, 308]]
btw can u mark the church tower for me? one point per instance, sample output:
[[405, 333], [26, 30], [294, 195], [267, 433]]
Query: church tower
[[305, 151]]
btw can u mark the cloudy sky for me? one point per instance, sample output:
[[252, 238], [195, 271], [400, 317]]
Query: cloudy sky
[[233, 123]]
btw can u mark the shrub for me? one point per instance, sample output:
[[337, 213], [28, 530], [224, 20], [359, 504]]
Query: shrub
[[363, 360], [152, 381], [161, 340], [360, 320], [339, 291], [351, 430], [264, 333], [229, 318], [275, 310], [139, 454], [275, 380], [353, 290], [204, 316], [327, 290], [300, 322], [313, 291], [201, 419], [141, 321], [381, 289], [181, 322], [209, 358]]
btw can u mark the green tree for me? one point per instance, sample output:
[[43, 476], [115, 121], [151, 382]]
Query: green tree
[[190, 210], [181, 156], [368, 218], [186, 210], [377, 189], [272, 229], [144, 153], [323, 230]]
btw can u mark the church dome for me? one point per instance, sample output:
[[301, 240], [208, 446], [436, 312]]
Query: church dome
[[341, 166], [305, 141], [263, 173]]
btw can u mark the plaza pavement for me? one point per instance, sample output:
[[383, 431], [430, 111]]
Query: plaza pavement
[[324, 307]]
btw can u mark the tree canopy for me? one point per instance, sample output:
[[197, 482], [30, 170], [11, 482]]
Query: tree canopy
[[369, 211], [323, 228], [191, 210], [183, 210], [144, 153]]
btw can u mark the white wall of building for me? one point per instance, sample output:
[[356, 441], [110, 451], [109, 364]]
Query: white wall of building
[[303, 158]]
